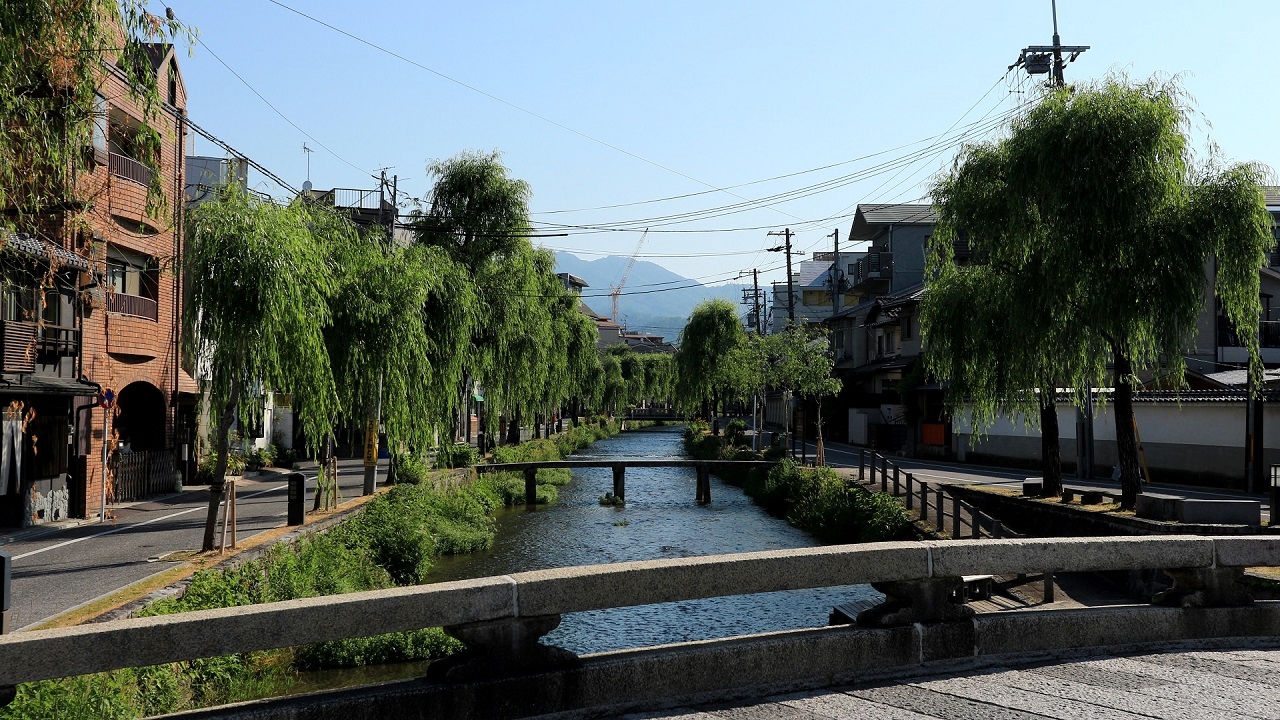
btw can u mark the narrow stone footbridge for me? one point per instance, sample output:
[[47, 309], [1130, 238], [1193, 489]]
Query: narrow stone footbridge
[[702, 495], [920, 628]]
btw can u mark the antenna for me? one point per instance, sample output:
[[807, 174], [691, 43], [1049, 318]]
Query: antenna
[[307, 151]]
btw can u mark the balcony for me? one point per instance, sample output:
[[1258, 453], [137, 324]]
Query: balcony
[[134, 305], [126, 167], [874, 270]]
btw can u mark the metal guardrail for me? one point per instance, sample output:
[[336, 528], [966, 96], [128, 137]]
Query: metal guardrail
[[930, 502], [135, 305]]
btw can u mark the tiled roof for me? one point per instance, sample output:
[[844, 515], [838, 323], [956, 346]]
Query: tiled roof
[[34, 247]]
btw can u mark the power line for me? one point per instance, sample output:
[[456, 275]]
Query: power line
[[277, 110], [253, 163], [508, 103]]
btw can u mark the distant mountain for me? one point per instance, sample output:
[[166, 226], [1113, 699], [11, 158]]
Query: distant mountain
[[654, 299]]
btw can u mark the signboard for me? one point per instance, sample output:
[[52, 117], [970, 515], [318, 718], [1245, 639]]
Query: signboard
[[371, 444], [107, 398]]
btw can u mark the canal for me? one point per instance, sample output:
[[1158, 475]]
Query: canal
[[660, 520]]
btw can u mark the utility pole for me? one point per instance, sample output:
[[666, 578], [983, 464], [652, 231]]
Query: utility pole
[[791, 295], [755, 284], [837, 276], [1047, 59]]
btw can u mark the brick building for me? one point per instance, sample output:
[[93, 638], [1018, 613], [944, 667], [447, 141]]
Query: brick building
[[92, 301]]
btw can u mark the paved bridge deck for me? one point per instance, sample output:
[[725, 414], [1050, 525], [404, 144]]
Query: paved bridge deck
[[1188, 683]]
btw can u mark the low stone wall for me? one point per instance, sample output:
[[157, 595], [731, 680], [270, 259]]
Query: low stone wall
[[755, 666]]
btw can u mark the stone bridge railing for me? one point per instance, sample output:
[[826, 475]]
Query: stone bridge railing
[[507, 673]]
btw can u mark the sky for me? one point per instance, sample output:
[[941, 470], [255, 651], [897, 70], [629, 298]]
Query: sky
[[606, 107]]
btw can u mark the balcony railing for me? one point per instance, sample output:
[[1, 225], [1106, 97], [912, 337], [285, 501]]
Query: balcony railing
[[133, 305], [1268, 334], [129, 169], [58, 342]]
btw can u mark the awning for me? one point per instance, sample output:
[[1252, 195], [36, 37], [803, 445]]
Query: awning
[[33, 247], [45, 385]]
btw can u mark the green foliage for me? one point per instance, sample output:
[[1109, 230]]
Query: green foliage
[[1092, 225], [456, 455], [411, 468], [734, 432], [51, 56], [610, 500], [712, 332]]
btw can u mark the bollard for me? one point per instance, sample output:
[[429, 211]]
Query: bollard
[[911, 493], [862, 465], [896, 487], [297, 498], [871, 471]]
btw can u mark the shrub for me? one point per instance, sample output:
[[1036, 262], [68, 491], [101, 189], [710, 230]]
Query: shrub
[[457, 455], [734, 432], [410, 469]]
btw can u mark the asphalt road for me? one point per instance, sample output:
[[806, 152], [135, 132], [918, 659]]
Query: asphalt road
[[56, 572]]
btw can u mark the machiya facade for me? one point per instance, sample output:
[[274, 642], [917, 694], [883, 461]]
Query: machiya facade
[[94, 305]]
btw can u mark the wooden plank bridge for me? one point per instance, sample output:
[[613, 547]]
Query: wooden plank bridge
[[619, 467]]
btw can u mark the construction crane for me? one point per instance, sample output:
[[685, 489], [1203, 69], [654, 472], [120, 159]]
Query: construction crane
[[616, 290]]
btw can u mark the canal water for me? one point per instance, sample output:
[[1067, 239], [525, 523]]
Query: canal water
[[660, 520]]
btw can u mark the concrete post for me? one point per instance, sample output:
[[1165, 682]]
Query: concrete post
[[530, 486], [911, 492], [871, 471], [1205, 587], [1048, 587], [955, 519], [862, 465], [977, 522], [997, 529], [620, 482]]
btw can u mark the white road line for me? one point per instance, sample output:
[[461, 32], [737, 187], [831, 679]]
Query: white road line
[[134, 525]]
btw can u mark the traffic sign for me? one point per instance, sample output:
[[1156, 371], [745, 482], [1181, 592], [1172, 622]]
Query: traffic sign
[[107, 398]]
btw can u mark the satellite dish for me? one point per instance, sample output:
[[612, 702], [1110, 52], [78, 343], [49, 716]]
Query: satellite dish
[[306, 186]]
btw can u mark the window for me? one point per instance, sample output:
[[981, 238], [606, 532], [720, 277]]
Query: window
[[19, 304], [132, 274], [51, 313], [906, 328], [99, 130]]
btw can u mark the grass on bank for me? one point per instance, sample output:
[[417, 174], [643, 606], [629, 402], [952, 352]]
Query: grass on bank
[[392, 542], [816, 500]]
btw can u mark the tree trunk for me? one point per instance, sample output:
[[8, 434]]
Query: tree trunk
[[513, 429], [1126, 439], [217, 485], [1050, 445]]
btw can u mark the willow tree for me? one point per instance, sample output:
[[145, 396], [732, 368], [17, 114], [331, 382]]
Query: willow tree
[[259, 280], [394, 359], [1094, 206], [53, 57], [480, 217], [712, 331]]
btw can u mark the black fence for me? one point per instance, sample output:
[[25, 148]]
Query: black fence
[[139, 475]]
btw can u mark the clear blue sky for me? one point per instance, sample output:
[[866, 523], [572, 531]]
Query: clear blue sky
[[721, 93]]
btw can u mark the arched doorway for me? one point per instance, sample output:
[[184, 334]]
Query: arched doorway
[[142, 416]]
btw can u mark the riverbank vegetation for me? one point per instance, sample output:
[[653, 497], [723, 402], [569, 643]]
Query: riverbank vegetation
[[816, 500], [391, 542]]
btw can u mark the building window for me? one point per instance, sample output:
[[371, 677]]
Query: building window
[[136, 276], [99, 130], [906, 328]]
